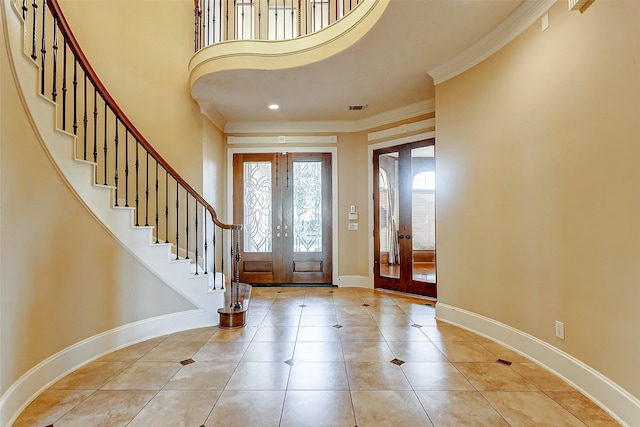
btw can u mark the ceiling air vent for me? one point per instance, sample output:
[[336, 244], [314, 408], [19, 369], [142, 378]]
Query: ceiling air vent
[[357, 107]]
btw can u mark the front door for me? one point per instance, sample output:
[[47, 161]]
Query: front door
[[283, 201], [404, 218]]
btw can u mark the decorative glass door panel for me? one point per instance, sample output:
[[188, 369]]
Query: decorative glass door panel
[[284, 202], [404, 218]]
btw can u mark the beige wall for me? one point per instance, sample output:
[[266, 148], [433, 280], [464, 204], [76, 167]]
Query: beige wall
[[63, 277], [538, 177], [140, 51]]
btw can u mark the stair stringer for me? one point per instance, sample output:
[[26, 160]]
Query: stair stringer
[[60, 146]]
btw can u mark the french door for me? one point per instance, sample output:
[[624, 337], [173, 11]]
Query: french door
[[404, 218], [283, 201]]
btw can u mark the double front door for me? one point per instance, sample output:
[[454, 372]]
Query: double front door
[[283, 201], [404, 218]]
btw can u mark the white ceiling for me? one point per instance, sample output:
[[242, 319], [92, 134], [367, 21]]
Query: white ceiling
[[387, 69]]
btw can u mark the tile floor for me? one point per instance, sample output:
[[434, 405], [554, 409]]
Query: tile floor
[[316, 357]]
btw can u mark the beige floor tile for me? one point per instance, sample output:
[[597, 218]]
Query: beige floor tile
[[386, 310], [130, 353], [423, 319], [530, 408], [361, 333], [285, 309], [369, 351], [107, 408], [542, 378], [500, 351], [392, 319], [494, 376], [234, 335], [316, 309], [275, 351], [318, 376], [347, 310], [259, 376], [318, 409], [281, 320], [173, 408], [247, 408], [402, 333], [144, 376], [416, 351], [388, 409], [258, 310], [356, 320], [276, 333], [319, 351], [445, 333], [91, 376], [172, 351], [254, 320], [376, 376], [318, 333], [322, 320], [227, 352], [47, 408], [459, 408], [465, 351], [435, 376], [377, 301], [202, 376], [201, 335], [583, 408]]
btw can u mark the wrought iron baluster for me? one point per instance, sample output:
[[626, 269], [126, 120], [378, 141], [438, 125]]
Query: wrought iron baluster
[[177, 221], [196, 19], [206, 245], [43, 48], [157, 217], [25, 9], [115, 178], [236, 238], [146, 193], [34, 6], [137, 184], [105, 141], [196, 237], [54, 93], [126, 167], [186, 199], [166, 206], [95, 131], [85, 119], [64, 83], [222, 257]]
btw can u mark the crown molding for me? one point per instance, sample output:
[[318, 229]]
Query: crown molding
[[402, 129], [277, 140], [509, 29], [211, 113], [406, 112]]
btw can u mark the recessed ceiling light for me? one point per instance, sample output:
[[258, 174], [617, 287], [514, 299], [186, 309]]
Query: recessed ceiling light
[[273, 106]]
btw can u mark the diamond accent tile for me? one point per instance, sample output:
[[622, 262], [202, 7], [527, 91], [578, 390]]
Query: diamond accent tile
[[397, 362], [302, 305], [338, 326], [504, 362], [415, 325], [365, 305], [291, 362], [187, 362]]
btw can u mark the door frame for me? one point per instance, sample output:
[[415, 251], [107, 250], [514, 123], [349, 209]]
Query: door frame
[[334, 187], [370, 149]]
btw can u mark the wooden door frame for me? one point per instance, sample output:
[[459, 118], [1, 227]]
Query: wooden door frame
[[281, 149], [371, 207]]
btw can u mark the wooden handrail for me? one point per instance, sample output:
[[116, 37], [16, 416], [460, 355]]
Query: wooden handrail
[[74, 46]]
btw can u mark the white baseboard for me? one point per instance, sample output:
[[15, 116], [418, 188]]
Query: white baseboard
[[50, 370], [618, 402], [355, 281]]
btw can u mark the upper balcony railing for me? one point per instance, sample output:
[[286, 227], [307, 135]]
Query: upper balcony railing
[[222, 20]]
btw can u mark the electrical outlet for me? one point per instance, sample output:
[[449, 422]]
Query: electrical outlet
[[559, 329], [353, 226]]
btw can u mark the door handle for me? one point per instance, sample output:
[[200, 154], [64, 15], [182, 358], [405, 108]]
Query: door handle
[[402, 236]]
